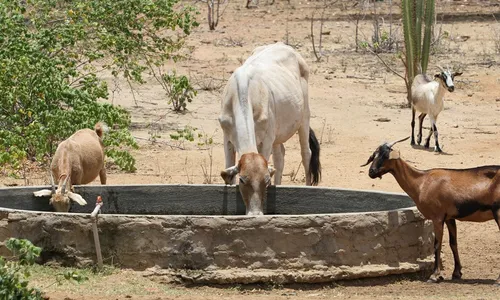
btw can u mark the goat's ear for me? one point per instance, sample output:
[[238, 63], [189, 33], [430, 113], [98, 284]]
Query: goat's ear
[[229, 174], [271, 171], [370, 159], [77, 198], [437, 75], [394, 154], [457, 74], [43, 193]]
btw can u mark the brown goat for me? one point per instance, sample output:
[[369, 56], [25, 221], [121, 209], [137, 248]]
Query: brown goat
[[443, 196], [78, 160]]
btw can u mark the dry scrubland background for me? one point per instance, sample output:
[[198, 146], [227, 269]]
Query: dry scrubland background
[[356, 104]]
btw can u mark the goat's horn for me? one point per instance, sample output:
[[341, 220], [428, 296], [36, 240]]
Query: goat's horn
[[401, 140], [64, 185], [52, 183], [440, 68]]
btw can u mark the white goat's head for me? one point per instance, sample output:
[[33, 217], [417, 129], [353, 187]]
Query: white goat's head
[[60, 198], [446, 77]]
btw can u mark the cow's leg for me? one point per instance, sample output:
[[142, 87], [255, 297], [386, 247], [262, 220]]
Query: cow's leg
[[438, 240], [279, 162], [452, 230], [412, 126], [230, 154], [305, 151], [421, 120]]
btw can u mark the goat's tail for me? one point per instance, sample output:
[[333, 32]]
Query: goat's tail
[[314, 164], [100, 128]]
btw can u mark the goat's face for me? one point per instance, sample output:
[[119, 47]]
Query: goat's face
[[60, 198], [255, 177], [446, 78], [60, 202], [380, 157]]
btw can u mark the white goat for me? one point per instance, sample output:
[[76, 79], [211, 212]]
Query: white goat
[[427, 97], [78, 160]]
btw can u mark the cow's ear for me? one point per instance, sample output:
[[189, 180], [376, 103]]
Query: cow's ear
[[229, 174]]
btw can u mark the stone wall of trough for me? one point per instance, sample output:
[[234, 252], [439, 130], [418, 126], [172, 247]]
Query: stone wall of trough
[[229, 249]]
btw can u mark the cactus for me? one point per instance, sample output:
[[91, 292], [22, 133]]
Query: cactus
[[417, 52]]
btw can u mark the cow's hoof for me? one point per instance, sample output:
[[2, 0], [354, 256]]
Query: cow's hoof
[[435, 279]]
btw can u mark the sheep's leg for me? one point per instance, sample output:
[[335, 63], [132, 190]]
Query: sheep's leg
[[421, 120], [438, 240], [412, 126], [452, 230], [102, 176], [279, 162]]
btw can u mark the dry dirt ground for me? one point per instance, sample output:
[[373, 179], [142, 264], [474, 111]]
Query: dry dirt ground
[[356, 104]]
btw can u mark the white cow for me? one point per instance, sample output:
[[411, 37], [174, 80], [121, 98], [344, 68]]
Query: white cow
[[265, 103]]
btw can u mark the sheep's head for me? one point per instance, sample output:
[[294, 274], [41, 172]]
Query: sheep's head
[[447, 77], [382, 154], [255, 177], [60, 198]]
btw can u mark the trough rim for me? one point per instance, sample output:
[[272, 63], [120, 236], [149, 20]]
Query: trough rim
[[328, 188]]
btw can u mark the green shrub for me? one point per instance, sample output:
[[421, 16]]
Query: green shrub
[[50, 53]]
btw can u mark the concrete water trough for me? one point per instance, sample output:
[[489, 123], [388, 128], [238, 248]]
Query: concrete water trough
[[200, 233]]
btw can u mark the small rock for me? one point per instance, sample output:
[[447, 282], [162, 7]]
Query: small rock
[[455, 126]]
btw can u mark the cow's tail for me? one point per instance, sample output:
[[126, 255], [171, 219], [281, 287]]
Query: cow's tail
[[314, 164]]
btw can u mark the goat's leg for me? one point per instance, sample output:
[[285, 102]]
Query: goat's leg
[[436, 147], [496, 215], [421, 120], [428, 139], [279, 162], [102, 176], [412, 126], [452, 230], [438, 240]]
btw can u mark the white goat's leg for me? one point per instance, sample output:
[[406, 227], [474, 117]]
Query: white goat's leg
[[230, 154], [279, 162], [438, 240], [435, 130], [412, 126], [305, 151], [421, 121]]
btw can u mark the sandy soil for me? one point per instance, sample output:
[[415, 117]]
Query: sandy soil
[[356, 104]]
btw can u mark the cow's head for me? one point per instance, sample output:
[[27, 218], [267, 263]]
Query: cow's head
[[255, 177], [60, 198]]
